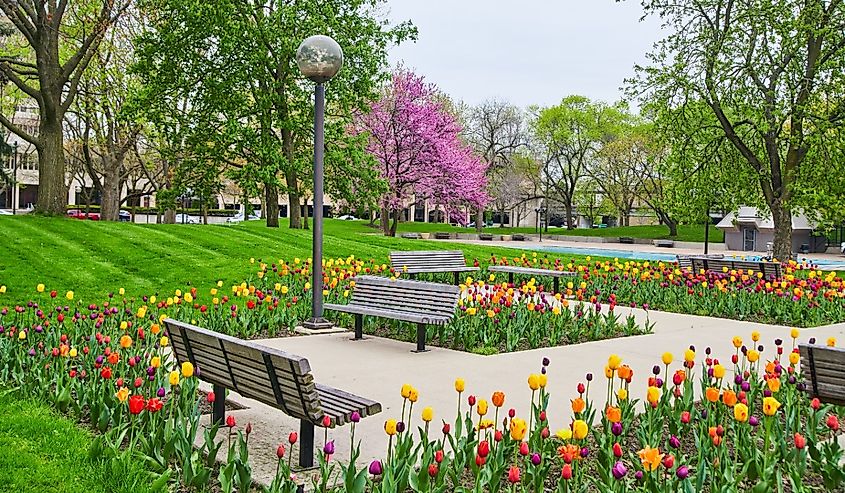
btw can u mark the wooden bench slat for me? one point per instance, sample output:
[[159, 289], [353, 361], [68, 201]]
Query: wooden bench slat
[[511, 269], [369, 406], [402, 316]]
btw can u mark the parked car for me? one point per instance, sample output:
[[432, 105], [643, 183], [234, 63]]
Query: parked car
[[4, 212], [186, 219], [347, 217], [239, 217], [124, 216], [78, 214]]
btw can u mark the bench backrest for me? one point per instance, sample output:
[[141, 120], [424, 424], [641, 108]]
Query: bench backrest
[[267, 375], [420, 261], [824, 372], [769, 269], [401, 295], [686, 260]]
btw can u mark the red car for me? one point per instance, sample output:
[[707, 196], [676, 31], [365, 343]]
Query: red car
[[77, 214]]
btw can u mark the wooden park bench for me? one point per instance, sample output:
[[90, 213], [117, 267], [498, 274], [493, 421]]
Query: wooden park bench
[[485, 237], [686, 260], [824, 372], [422, 303], [518, 237], [442, 236], [626, 239], [268, 375], [664, 243], [530, 271], [411, 236], [771, 270], [415, 262]]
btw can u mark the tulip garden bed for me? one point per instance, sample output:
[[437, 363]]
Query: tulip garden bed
[[106, 364]]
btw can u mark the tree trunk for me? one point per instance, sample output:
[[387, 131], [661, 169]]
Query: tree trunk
[[397, 215], [52, 189], [673, 227], [569, 222], [294, 211], [271, 199], [305, 216], [170, 216], [502, 217], [110, 205], [385, 222], [479, 219], [783, 231]]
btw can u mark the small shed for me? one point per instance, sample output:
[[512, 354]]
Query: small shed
[[750, 230]]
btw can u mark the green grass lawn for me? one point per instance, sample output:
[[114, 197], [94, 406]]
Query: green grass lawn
[[693, 232], [93, 258], [44, 452]]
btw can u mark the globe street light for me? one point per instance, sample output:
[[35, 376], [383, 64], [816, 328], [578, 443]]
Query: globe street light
[[319, 58]]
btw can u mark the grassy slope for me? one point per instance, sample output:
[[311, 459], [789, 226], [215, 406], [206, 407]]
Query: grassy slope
[[43, 452], [93, 258], [685, 232]]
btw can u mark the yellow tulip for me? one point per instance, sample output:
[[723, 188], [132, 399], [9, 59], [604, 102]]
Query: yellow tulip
[[794, 358], [831, 342], [121, 291], [741, 412], [667, 358], [187, 369], [22, 335], [405, 392], [689, 355], [122, 394], [73, 352], [164, 341], [752, 355], [614, 361], [795, 333], [622, 394], [518, 429], [534, 381], [69, 295], [579, 429], [2, 289], [755, 336], [770, 406], [427, 414], [481, 408], [460, 385], [719, 371], [155, 362], [390, 427], [414, 395], [543, 380], [40, 288], [174, 378]]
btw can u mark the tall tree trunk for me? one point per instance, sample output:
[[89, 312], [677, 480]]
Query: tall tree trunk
[[479, 219], [783, 231], [169, 216], [293, 200], [502, 217], [271, 200], [397, 215], [305, 216], [673, 226], [52, 189], [110, 200], [385, 222], [570, 224]]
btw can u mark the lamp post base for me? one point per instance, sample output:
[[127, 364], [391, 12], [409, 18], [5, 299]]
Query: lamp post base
[[317, 323]]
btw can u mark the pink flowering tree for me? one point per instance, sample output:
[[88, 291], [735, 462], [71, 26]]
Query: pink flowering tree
[[415, 142]]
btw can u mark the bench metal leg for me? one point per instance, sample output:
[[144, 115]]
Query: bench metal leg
[[457, 278], [359, 327], [510, 278], [306, 444], [218, 408], [556, 285], [420, 339]]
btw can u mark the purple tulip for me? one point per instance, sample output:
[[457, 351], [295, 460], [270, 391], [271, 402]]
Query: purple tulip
[[812, 340], [682, 472], [674, 442], [546, 361], [619, 470], [656, 370], [585, 452], [753, 421], [746, 386], [767, 393], [638, 475], [616, 428], [778, 342], [400, 427], [707, 351], [160, 392], [355, 417], [589, 377], [543, 370], [328, 448], [375, 468], [738, 379], [535, 459]]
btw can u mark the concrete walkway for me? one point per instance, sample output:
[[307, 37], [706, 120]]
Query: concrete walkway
[[376, 368]]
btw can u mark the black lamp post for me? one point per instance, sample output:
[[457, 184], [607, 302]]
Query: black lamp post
[[541, 213], [15, 193], [319, 58]]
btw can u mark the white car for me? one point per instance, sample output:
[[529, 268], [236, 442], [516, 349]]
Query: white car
[[239, 217], [4, 212], [347, 217], [842, 247], [186, 219]]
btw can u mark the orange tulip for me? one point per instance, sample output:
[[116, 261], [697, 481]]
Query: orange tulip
[[498, 399], [712, 394], [651, 458], [578, 405], [774, 384], [614, 414], [729, 398]]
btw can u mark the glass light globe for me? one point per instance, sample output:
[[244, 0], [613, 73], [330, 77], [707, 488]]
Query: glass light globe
[[319, 58]]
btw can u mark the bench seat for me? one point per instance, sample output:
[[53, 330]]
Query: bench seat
[[824, 372], [531, 271], [430, 262]]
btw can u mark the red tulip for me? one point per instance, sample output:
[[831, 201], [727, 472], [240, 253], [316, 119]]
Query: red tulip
[[685, 417], [438, 456], [497, 436], [432, 470], [815, 404], [154, 405], [833, 422], [668, 461], [471, 400], [479, 461], [327, 421], [800, 441], [136, 404], [209, 397], [617, 450], [523, 449], [280, 452], [446, 428], [483, 448], [566, 473], [292, 438], [513, 474], [230, 421]]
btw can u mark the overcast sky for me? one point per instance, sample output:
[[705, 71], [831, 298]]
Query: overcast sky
[[525, 51]]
